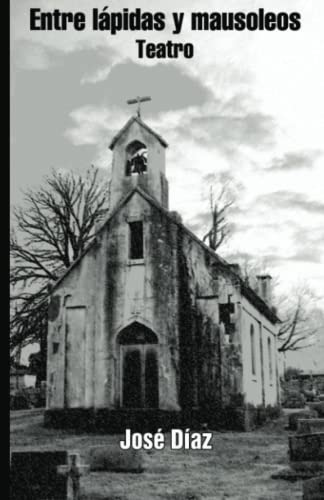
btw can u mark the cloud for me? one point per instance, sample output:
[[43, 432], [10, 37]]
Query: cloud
[[309, 235], [294, 160], [98, 75], [198, 115], [291, 200], [312, 254], [40, 113], [178, 91], [32, 56], [229, 130]]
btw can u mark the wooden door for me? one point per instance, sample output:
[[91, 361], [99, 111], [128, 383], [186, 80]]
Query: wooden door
[[140, 388]]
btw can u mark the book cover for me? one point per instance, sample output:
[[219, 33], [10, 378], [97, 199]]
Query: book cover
[[167, 235]]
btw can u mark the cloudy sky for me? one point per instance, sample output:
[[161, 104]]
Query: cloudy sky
[[248, 107]]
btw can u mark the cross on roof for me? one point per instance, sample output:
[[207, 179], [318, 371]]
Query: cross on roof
[[138, 101]]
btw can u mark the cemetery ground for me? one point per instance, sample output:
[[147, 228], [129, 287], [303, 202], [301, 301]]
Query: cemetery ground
[[239, 466]]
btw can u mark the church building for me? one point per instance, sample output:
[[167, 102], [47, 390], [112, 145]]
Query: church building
[[150, 328]]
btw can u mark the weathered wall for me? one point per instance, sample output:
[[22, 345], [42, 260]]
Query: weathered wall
[[114, 292], [210, 361], [143, 291], [259, 389], [76, 291]]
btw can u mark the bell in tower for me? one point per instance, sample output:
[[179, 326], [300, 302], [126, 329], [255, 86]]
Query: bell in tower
[[138, 160]]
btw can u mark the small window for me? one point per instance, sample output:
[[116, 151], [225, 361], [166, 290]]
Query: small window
[[136, 240], [252, 341], [270, 359], [55, 347]]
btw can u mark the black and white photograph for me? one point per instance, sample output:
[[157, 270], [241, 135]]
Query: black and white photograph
[[166, 250]]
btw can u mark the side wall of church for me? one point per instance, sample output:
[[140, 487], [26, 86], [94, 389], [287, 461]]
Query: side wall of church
[[211, 359], [260, 387]]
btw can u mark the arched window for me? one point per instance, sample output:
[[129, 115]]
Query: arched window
[[136, 333], [136, 158], [270, 359], [252, 342]]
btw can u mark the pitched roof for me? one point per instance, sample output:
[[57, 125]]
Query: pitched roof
[[142, 124], [246, 290]]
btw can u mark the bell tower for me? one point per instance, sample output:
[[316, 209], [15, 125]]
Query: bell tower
[[138, 160]]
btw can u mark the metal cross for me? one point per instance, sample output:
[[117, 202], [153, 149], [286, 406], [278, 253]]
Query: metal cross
[[138, 101]]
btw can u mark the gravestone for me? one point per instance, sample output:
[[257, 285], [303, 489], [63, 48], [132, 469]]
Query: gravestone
[[72, 473], [112, 458], [318, 407], [33, 475], [294, 417], [313, 489], [45, 475], [306, 452], [309, 426], [307, 447]]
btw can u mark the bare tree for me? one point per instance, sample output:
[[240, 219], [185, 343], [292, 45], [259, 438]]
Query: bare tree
[[301, 320], [219, 206], [50, 231]]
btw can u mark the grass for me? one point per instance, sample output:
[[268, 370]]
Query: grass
[[239, 467]]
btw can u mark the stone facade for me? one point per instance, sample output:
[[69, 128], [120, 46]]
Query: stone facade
[[150, 321]]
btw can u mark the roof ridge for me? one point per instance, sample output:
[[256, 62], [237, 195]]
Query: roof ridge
[[131, 120]]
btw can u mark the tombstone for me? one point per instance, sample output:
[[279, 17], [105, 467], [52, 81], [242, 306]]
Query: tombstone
[[310, 426], [33, 475], [318, 407], [306, 447], [112, 458], [294, 417], [36, 475], [72, 473], [313, 489], [306, 452]]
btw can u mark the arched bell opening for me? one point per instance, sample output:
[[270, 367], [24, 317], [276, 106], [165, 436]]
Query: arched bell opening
[[136, 158], [138, 367]]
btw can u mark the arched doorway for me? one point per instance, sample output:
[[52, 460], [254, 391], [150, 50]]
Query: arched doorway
[[139, 373]]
